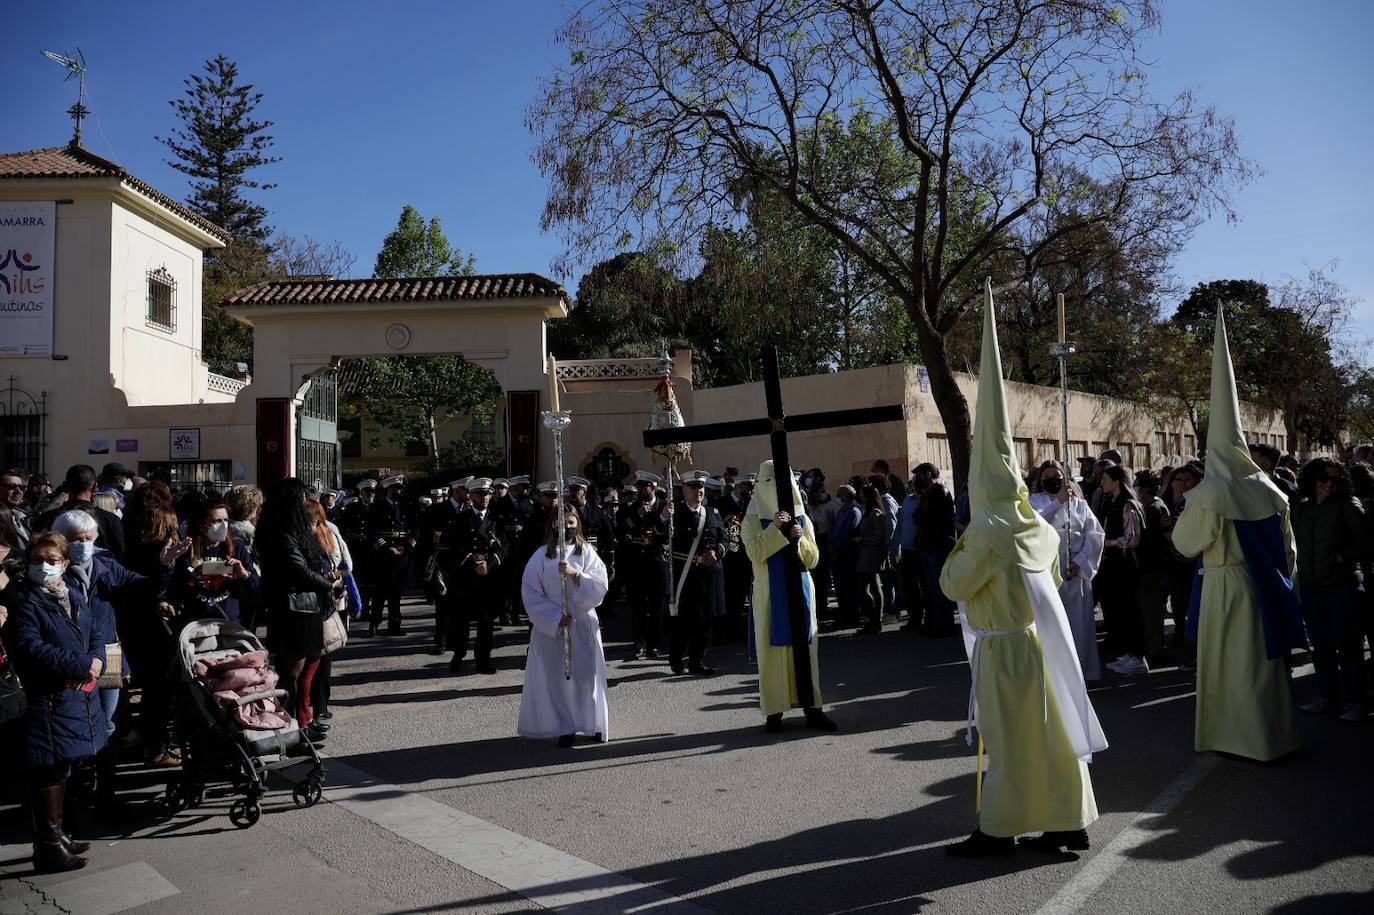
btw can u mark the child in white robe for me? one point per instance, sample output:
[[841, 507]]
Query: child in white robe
[[554, 704]]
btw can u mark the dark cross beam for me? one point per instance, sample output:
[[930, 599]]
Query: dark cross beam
[[776, 425]]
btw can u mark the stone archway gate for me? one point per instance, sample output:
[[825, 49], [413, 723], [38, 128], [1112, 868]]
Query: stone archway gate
[[303, 326]]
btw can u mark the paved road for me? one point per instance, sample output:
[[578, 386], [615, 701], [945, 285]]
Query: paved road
[[434, 806]]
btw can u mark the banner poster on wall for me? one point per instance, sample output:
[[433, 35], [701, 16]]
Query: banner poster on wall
[[27, 231]]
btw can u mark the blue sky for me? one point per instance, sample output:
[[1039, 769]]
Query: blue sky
[[422, 102]]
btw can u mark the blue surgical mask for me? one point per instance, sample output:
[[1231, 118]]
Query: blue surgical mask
[[45, 573], [81, 551]]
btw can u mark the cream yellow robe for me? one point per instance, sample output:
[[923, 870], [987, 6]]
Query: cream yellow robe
[[777, 679], [1035, 780], [1243, 701]]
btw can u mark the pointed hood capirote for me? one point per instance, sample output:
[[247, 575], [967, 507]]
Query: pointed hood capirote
[[1233, 486], [999, 503], [765, 501]]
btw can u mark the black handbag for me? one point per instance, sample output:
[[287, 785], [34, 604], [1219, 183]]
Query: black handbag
[[303, 602], [13, 702]]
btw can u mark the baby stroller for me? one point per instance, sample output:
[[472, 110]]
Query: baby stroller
[[235, 728]]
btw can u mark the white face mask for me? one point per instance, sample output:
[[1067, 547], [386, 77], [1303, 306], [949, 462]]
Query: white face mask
[[45, 573], [217, 532], [81, 551], [128, 485]]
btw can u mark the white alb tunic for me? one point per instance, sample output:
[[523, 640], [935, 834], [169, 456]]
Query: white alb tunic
[[1080, 542], [552, 706]]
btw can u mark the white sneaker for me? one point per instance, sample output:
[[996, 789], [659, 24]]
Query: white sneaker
[[1353, 711], [1130, 664]]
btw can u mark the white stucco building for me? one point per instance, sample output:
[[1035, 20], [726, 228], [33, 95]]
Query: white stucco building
[[118, 359]]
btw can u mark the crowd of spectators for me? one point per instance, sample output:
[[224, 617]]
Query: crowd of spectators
[[98, 575]]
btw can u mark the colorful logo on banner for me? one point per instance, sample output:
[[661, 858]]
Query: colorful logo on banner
[[17, 282], [26, 278]]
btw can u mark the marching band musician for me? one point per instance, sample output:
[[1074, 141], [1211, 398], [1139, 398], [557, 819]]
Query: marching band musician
[[475, 566], [739, 571], [441, 535], [698, 575], [642, 532], [393, 545]]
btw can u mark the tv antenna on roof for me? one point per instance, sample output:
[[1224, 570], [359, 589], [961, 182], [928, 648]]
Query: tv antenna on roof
[[76, 66]]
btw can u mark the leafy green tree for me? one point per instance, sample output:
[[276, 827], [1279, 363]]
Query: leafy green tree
[[417, 248], [958, 120], [220, 146], [418, 394], [415, 395], [1286, 346]]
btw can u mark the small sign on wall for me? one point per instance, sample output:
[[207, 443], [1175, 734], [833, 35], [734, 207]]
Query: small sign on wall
[[126, 445], [184, 444], [98, 446]]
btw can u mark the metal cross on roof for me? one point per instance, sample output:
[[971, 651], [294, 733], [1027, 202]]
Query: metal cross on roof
[[76, 66]]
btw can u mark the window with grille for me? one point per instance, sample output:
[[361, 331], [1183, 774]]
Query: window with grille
[[162, 299]]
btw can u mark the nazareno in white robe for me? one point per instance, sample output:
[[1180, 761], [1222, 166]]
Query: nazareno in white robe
[[551, 706], [1081, 539]]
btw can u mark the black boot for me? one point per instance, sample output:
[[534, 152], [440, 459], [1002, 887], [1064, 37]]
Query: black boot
[[50, 853], [1057, 842], [818, 720], [773, 724], [106, 799], [981, 845]]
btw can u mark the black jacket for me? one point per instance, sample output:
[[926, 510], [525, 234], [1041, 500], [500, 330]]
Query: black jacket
[[288, 568]]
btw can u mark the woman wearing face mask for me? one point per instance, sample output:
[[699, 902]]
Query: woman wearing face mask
[[113, 594], [58, 649], [1060, 503], [217, 572], [554, 704]]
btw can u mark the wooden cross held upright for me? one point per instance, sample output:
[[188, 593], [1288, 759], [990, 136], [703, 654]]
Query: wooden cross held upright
[[776, 425]]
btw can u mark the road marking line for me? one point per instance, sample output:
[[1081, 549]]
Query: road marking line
[[111, 891], [543, 874], [1074, 894]]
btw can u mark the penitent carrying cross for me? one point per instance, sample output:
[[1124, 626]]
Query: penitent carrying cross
[[776, 425]]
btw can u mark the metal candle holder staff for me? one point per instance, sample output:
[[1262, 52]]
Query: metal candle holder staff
[[557, 421]]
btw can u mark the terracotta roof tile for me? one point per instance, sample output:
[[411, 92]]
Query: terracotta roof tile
[[315, 291], [74, 161]]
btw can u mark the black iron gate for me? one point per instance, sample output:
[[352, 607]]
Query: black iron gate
[[317, 433], [23, 420]]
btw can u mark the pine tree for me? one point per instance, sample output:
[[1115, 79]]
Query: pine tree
[[218, 145], [416, 249]]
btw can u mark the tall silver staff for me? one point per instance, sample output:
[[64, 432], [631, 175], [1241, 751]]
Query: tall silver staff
[[557, 421], [667, 415]]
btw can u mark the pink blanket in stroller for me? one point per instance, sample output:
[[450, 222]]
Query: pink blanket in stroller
[[236, 678]]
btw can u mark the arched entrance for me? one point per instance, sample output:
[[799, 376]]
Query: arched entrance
[[302, 327]]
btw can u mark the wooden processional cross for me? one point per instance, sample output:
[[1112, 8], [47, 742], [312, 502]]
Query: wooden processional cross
[[776, 425]]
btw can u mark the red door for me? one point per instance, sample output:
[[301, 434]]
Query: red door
[[274, 440]]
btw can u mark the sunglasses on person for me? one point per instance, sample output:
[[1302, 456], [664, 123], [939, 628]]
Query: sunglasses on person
[[11, 485]]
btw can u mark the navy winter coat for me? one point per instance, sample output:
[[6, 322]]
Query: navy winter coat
[[49, 650]]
